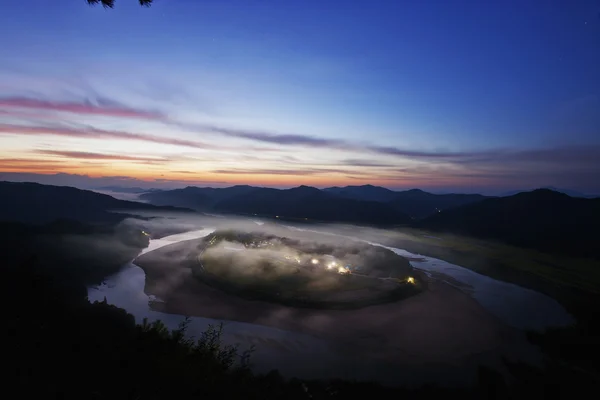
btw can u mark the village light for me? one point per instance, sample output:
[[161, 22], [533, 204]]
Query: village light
[[314, 261], [343, 270], [410, 279]]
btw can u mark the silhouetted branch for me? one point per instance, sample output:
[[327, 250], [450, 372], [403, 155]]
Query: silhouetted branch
[[111, 3]]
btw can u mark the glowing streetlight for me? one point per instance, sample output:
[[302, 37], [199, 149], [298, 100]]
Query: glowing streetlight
[[410, 279], [314, 261]]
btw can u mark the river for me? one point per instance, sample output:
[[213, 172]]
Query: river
[[296, 354]]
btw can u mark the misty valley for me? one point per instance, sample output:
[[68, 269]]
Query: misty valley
[[323, 304]]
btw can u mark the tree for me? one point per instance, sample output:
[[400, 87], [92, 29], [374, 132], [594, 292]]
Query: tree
[[111, 3]]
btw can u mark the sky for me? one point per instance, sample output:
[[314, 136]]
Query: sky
[[467, 96]]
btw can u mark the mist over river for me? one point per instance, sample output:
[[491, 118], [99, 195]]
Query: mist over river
[[308, 356]]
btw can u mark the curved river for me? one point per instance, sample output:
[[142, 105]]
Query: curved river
[[294, 354]]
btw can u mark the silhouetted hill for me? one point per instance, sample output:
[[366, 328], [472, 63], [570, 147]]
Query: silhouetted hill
[[364, 192], [542, 219], [39, 204], [314, 204], [572, 193], [415, 202], [190, 197], [374, 201], [201, 199], [420, 204]]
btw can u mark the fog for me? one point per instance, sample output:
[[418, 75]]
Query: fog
[[473, 313], [253, 261], [255, 267], [514, 305], [121, 195]]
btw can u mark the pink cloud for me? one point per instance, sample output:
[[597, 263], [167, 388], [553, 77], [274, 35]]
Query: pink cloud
[[93, 133], [104, 108], [100, 156]]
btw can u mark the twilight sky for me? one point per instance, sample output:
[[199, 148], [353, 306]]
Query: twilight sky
[[441, 95]]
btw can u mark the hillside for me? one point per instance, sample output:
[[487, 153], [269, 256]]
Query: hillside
[[201, 199], [313, 204], [364, 192], [420, 204], [39, 204], [542, 219]]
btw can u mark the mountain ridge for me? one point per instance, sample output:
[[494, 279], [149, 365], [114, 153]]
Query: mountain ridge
[[30, 202], [542, 219]]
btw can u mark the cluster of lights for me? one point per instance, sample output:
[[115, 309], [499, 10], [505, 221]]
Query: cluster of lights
[[332, 266]]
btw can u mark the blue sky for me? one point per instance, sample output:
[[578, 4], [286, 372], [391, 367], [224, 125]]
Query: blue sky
[[465, 95]]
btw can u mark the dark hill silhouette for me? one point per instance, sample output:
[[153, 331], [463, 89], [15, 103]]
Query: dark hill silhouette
[[40, 204], [201, 199], [420, 204], [312, 203], [569, 192], [542, 219], [415, 203], [364, 192]]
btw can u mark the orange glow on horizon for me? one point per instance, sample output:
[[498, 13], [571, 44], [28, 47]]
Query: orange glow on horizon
[[203, 178]]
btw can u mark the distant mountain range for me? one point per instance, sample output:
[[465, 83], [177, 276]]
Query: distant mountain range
[[34, 203], [201, 199], [312, 204], [364, 192], [542, 219], [350, 203]]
